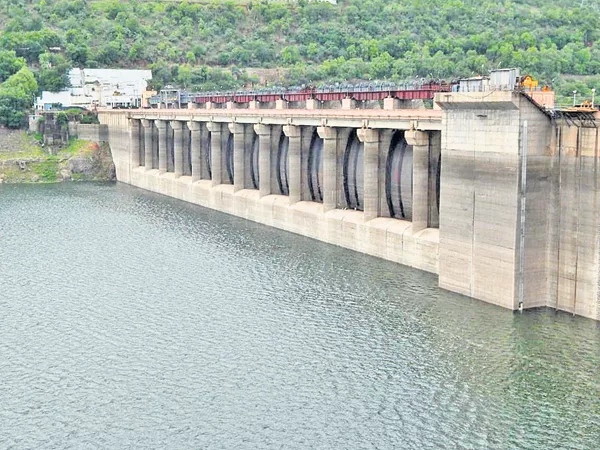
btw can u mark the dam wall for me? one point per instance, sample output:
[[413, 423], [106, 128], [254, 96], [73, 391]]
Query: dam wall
[[118, 136], [486, 146], [575, 233], [90, 132], [491, 193], [329, 219]]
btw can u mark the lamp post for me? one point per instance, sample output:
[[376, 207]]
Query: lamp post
[[593, 96], [574, 97]]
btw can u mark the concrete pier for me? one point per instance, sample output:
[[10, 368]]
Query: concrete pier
[[147, 124], [264, 158], [216, 130], [488, 191], [177, 147], [295, 163], [370, 139], [195, 144], [161, 125], [330, 177], [420, 204], [134, 141], [239, 152]]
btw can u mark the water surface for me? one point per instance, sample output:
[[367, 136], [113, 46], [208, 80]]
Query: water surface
[[131, 320]]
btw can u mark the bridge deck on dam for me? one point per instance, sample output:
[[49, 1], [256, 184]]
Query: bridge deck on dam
[[425, 119]]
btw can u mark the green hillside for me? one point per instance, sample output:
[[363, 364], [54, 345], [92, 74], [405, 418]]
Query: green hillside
[[207, 44]]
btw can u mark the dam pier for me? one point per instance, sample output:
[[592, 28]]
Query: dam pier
[[490, 191]]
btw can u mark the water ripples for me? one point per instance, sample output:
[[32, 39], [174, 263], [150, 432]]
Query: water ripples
[[131, 320]]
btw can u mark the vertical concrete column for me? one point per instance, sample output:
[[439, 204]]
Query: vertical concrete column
[[264, 158], [147, 124], [134, 142], [178, 147], [330, 176], [420, 144], [197, 162], [348, 103], [370, 138], [390, 103], [216, 131], [205, 142], [295, 163], [186, 135], [239, 172], [162, 145], [311, 103]]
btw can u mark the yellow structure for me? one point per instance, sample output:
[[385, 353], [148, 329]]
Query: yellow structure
[[146, 95], [528, 82]]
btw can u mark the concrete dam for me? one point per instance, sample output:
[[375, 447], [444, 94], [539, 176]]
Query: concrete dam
[[494, 194]]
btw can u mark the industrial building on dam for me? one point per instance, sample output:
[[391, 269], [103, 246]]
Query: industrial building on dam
[[491, 190]]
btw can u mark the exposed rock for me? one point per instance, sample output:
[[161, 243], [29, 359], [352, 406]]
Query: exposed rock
[[65, 174], [81, 164], [13, 140], [112, 172], [83, 161]]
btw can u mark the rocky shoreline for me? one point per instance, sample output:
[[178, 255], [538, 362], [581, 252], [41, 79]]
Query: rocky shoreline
[[79, 161]]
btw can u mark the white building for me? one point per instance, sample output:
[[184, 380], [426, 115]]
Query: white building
[[99, 87]]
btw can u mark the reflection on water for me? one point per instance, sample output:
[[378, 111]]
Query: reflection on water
[[130, 320]]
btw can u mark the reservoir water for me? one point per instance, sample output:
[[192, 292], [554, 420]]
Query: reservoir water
[[130, 320]]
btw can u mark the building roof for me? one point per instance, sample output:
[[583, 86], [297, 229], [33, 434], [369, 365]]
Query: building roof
[[80, 77], [100, 86], [63, 98]]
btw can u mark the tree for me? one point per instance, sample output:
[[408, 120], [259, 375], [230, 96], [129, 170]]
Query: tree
[[78, 54], [382, 66], [184, 76], [424, 37], [16, 97], [22, 81], [30, 44], [53, 75], [290, 55], [9, 64]]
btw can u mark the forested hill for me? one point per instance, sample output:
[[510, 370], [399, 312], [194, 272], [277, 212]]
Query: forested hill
[[317, 41]]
